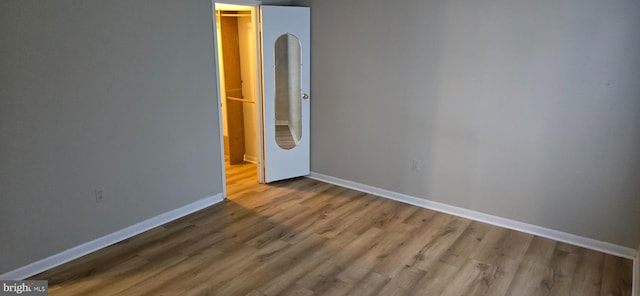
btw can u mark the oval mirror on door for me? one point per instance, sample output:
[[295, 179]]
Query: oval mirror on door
[[288, 105]]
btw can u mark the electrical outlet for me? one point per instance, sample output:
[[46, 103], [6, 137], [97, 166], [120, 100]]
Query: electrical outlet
[[99, 197], [416, 164]]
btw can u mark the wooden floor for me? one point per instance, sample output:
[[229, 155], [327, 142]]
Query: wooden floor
[[284, 138], [304, 237]]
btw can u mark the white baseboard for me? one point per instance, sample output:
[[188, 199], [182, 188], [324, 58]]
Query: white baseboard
[[109, 239], [486, 218], [250, 158], [282, 122]]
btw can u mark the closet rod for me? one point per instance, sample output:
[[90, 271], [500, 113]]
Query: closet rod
[[241, 100], [233, 14]]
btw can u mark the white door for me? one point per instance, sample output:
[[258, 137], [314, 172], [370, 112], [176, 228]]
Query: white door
[[285, 56]]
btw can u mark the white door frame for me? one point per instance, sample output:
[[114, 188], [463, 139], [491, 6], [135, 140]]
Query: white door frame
[[259, 108]]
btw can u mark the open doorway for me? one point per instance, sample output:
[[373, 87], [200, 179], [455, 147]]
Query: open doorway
[[257, 136], [238, 61]]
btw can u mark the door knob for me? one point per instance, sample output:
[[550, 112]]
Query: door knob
[[305, 96]]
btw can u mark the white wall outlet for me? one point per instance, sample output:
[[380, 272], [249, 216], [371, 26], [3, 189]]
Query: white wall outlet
[[99, 196]]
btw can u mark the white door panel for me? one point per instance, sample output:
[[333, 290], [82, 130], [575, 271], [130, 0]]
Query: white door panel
[[286, 107]]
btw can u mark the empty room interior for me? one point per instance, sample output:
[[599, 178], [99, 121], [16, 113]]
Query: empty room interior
[[416, 147]]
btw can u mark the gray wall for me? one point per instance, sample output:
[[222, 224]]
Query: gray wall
[[528, 110], [118, 95]]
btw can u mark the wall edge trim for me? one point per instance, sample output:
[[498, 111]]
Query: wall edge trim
[[573, 239], [635, 282], [109, 239]]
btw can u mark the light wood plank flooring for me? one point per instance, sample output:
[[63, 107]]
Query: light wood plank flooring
[[284, 138], [304, 237]]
